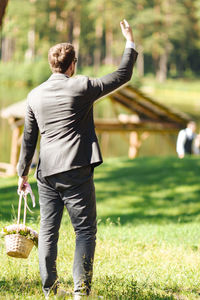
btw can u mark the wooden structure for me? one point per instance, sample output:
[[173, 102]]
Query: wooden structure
[[15, 115], [145, 115]]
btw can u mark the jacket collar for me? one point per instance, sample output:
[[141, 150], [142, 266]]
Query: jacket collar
[[56, 76]]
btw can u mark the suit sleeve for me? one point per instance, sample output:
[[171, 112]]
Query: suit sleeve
[[100, 87], [29, 142]]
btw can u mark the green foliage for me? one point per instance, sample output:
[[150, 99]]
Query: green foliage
[[26, 232], [34, 73], [24, 74], [161, 28]]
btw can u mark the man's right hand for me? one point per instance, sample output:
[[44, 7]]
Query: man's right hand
[[126, 31], [21, 183]]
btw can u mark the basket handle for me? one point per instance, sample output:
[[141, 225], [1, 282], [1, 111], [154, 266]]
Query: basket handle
[[19, 208]]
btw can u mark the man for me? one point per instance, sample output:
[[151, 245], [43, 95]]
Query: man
[[62, 110], [185, 140]]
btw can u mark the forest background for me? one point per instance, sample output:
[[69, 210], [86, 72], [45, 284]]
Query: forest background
[[167, 36], [166, 33]]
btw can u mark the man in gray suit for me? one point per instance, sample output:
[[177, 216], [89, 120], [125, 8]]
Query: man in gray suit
[[61, 109]]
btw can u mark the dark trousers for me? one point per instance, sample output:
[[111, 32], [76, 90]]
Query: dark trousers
[[73, 189]]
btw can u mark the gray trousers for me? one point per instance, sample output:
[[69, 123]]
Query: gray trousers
[[73, 189]]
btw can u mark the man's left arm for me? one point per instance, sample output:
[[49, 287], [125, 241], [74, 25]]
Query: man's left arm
[[28, 146]]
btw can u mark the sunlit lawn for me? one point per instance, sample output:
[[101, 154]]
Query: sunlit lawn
[[148, 233]]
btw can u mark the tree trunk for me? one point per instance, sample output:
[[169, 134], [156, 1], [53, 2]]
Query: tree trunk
[[3, 4], [97, 51], [8, 46], [70, 25], [140, 61], [109, 41], [77, 27], [30, 53], [161, 73]]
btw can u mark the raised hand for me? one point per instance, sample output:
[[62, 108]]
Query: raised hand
[[126, 30]]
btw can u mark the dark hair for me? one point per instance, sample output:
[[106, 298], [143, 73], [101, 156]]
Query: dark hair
[[60, 57]]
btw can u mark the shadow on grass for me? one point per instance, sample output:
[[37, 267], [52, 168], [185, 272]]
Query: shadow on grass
[[15, 288], [154, 190]]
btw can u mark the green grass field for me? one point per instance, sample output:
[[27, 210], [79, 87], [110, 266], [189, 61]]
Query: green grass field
[[148, 233]]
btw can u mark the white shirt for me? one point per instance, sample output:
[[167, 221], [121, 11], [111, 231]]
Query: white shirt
[[182, 136], [130, 44]]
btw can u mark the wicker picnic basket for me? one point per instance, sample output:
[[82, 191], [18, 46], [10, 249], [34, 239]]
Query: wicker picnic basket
[[18, 245]]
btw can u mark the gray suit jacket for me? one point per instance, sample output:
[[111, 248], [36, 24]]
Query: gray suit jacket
[[61, 108]]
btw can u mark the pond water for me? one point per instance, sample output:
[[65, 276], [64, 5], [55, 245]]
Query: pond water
[[114, 144]]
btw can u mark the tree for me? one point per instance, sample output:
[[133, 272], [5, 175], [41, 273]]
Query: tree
[[159, 24], [162, 30], [3, 5]]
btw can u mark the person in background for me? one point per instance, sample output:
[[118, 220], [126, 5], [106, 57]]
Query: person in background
[[185, 140]]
